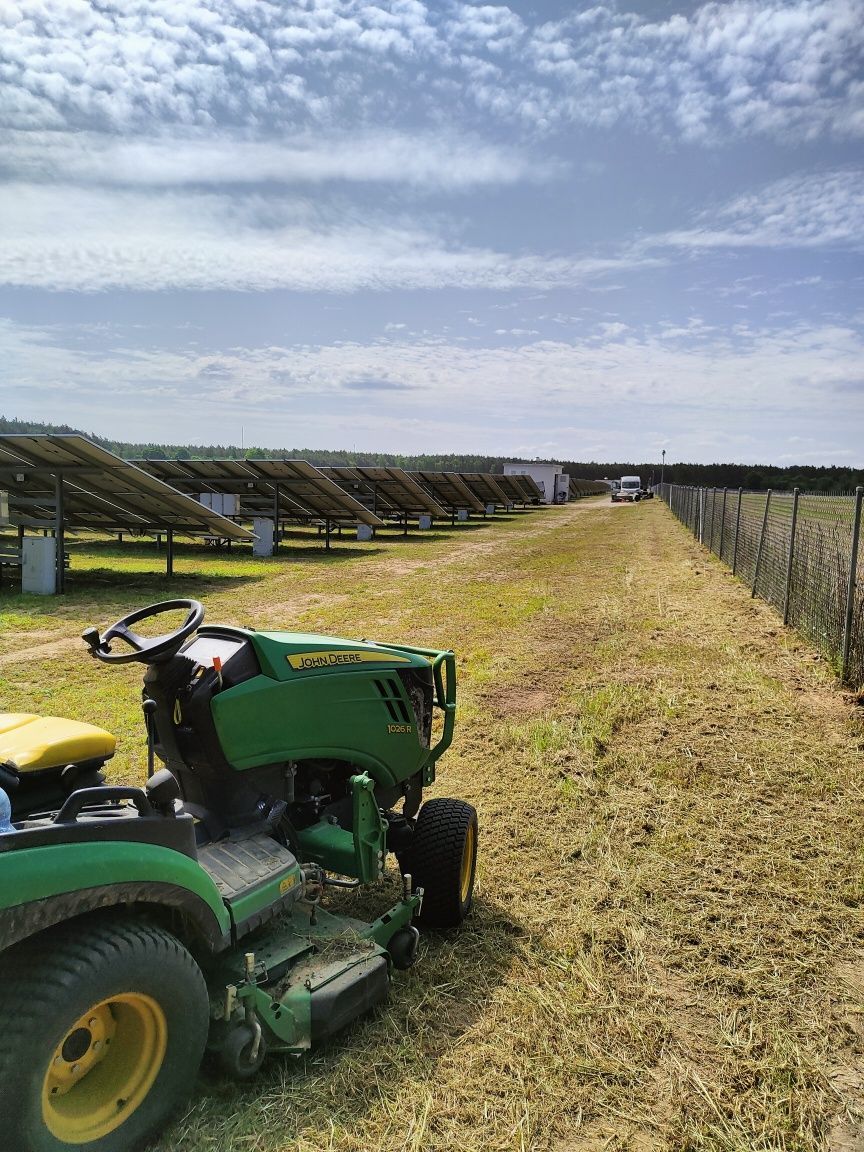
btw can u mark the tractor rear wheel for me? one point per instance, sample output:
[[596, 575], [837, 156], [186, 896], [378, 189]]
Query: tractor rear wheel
[[104, 1026], [442, 860]]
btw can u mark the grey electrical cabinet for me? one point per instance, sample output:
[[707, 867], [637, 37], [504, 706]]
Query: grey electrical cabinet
[[39, 565]]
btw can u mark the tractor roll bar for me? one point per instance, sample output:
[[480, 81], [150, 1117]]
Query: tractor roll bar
[[445, 691]]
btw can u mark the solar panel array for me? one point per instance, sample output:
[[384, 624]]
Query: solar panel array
[[582, 488], [386, 491], [450, 491], [279, 489], [59, 482], [524, 488], [485, 487], [96, 490]]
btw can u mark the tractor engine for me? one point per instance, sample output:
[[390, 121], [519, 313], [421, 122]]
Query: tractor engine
[[182, 697]]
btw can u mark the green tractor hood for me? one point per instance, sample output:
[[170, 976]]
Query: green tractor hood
[[324, 697]]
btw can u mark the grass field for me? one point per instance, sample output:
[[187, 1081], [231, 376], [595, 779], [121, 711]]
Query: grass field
[[667, 949]]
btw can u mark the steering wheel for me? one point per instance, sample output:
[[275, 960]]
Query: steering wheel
[[145, 649]]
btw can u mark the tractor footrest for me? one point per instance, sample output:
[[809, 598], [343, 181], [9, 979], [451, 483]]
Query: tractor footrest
[[239, 866]]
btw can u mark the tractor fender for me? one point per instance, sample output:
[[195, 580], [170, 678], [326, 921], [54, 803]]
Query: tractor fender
[[25, 920], [46, 885]]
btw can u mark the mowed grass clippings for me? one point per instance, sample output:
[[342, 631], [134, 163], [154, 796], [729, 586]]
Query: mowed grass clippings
[[666, 950]]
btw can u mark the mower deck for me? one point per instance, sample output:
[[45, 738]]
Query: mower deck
[[312, 974]]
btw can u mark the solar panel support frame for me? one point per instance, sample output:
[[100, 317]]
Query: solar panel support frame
[[59, 538]]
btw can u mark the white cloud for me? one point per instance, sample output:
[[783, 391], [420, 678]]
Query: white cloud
[[815, 210], [708, 396], [428, 160], [86, 239], [751, 371], [742, 68]]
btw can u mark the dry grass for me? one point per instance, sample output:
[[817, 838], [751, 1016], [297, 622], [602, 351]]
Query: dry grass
[[666, 951]]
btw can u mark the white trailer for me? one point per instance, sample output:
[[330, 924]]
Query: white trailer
[[551, 479]]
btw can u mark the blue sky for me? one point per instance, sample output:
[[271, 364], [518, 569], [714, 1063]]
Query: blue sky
[[540, 229]]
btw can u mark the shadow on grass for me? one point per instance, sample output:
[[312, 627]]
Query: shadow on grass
[[428, 1010], [445, 528], [435, 535], [292, 545]]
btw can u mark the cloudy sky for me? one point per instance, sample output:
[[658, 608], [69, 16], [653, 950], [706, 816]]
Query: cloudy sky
[[543, 229]]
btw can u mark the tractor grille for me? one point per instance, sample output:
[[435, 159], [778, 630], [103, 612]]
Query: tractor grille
[[391, 694]]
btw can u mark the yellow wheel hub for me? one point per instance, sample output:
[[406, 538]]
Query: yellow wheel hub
[[103, 1068], [467, 864]]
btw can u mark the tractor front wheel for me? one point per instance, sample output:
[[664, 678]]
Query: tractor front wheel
[[104, 1025], [442, 860]]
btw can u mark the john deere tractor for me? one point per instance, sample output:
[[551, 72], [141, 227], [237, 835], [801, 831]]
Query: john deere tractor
[[143, 926]]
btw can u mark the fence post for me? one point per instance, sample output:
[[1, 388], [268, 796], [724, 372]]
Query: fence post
[[722, 523], [701, 513], [853, 581], [789, 558], [761, 543], [737, 529], [711, 530]]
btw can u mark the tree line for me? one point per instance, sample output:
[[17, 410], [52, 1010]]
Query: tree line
[[812, 478]]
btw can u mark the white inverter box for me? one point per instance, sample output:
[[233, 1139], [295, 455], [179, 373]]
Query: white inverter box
[[39, 565]]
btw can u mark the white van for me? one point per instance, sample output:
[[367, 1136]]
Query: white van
[[631, 489]]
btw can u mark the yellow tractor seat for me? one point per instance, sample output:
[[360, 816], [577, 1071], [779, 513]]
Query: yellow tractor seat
[[34, 743]]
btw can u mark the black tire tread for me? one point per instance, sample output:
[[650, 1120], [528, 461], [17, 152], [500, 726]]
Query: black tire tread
[[38, 976], [434, 860]]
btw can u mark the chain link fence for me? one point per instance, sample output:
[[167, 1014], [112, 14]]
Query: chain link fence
[[799, 551]]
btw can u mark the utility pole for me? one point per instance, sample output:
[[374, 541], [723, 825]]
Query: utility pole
[[662, 465]]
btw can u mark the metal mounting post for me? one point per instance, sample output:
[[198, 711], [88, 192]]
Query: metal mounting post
[[737, 530], [791, 555], [711, 529], [59, 537], [722, 524], [853, 583], [169, 553], [761, 544]]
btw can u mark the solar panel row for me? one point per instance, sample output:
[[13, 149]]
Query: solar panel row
[[60, 482], [65, 482], [96, 490], [279, 489], [386, 491]]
